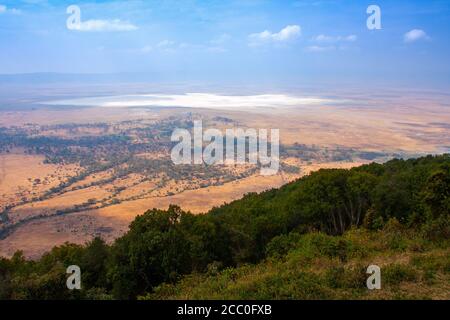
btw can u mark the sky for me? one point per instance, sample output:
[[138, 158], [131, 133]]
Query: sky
[[231, 40]]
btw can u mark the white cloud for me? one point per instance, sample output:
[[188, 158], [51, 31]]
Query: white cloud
[[217, 49], [5, 9], [218, 44], [146, 49], [105, 25], [287, 33], [320, 48], [415, 35], [223, 38], [165, 44], [325, 38], [351, 38], [169, 46]]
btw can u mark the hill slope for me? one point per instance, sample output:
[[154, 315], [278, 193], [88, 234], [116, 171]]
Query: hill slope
[[312, 238]]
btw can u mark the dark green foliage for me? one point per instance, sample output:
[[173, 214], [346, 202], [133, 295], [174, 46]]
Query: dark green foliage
[[436, 193], [437, 229], [155, 250], [161, 245], [281, 245]]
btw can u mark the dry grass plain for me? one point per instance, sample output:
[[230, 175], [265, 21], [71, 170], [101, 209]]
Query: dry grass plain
[[406, 124], [37, 237], [26, 176]]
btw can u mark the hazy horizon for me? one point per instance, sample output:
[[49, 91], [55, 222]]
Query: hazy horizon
[[249, 42]]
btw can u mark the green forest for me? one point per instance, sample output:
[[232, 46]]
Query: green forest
[[311, 239]]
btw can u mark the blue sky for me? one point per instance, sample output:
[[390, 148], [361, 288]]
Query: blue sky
[[255, 40]]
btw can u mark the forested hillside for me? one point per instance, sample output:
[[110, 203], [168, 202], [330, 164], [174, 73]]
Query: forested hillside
[[313, 238]]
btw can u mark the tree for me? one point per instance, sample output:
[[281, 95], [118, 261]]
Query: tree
[[436, 193]]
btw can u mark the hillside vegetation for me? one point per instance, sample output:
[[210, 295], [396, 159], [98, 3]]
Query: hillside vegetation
[[318, 266], [311, 239]]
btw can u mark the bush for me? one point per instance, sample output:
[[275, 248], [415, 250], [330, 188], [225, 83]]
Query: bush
[[437, 229], [431, 263], [397, 273], [281, 245], [299, 285], [330, 246], [373, 220], [340, 277]]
